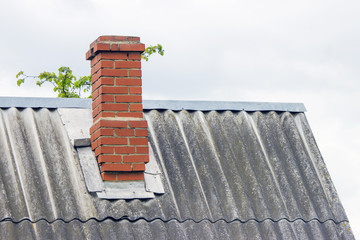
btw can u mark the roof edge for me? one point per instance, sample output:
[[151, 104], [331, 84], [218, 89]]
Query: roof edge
[[42, 102], [176, 105], [223, 105]]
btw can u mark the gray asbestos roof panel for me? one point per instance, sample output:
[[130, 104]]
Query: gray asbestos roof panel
[[226, 175]]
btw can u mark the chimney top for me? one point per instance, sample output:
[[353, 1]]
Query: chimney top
[[115, 44]]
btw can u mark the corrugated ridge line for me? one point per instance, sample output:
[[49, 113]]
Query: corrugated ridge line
[[174, 219]]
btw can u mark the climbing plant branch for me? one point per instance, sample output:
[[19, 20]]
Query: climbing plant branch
[[69, 86]]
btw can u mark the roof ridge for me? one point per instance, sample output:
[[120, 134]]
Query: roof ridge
[[176, 105], [126, 218]]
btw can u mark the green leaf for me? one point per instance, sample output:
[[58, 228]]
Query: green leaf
[[20, 81], [19, 73]]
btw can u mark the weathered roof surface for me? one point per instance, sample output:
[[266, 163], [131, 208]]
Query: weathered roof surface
[[227, 175]]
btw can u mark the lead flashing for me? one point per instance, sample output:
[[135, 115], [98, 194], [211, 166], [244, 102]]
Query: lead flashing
[[175, 105]]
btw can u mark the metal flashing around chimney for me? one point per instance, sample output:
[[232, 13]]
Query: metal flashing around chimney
[[77, 123], [90, 169]]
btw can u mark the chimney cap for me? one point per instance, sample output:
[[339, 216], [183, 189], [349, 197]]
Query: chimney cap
[[115, 39], [115, 44]]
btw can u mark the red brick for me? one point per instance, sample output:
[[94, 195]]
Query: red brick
[[102, 64], [134, 73], [128, 98], [113, 123], [141, 133], [95, 94], [104, 150], [115, 167], [112, 55], [134, 56], [134, 39], [128, 81], [113, 72], [139, 47], [135, 90], [136, 107], [109, 158], [127, 64], [139, 141], [102, 99], [109, 176], [94, 59], [130, 176], [95, 76], [130, 114], [94, 145], [108, 141], [102, 115], [142, 150], [113, 107], [109, 124], [138, 124], [123, 150], [88, 55], [101, 47], [115, 48], [112, 38], [113, 90], [138, 167], [124, 132], [101, 82], [135, 158], [101, 132]]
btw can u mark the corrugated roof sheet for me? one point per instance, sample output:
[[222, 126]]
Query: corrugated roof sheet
[[227, 175]]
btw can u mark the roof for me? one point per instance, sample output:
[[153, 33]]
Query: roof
[[227, 174]]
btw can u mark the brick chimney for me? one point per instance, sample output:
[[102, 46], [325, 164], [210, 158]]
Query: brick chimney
[[119, 132]]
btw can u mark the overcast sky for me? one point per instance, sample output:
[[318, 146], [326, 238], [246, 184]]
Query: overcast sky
[[273, 51]]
